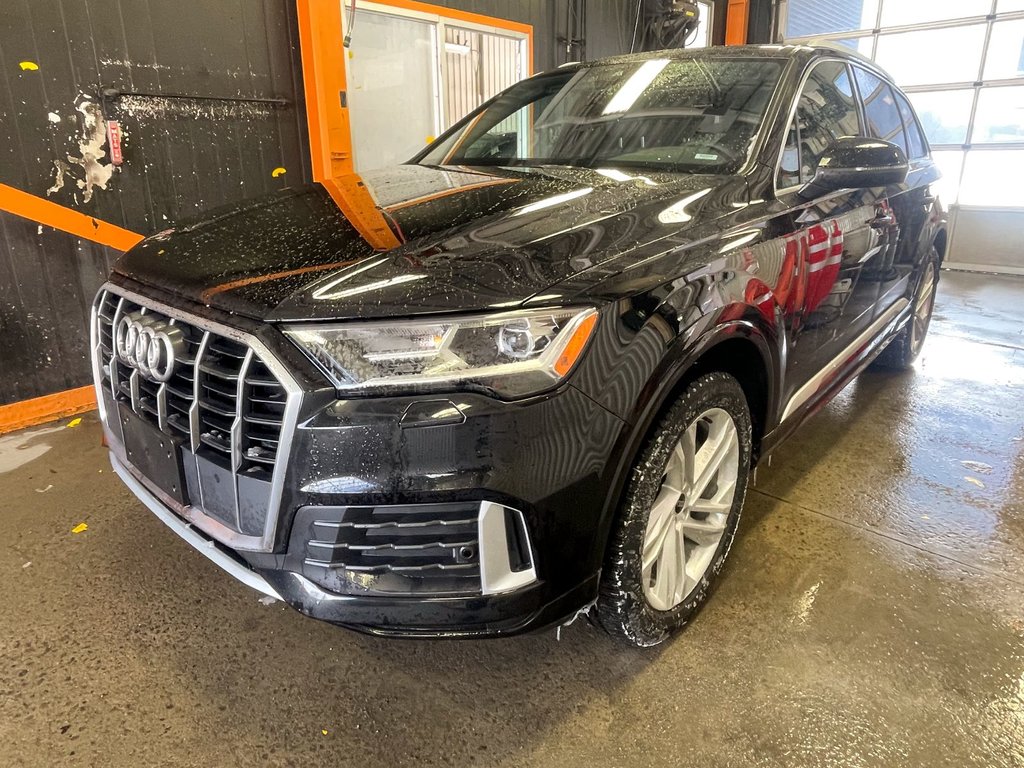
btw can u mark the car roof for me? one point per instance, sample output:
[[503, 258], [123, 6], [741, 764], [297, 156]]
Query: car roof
[[802, 53]]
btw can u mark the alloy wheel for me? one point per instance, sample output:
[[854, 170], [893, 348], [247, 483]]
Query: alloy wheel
[[923, 305], [691, 510]]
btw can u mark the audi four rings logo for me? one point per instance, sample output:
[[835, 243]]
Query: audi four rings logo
[[148, 344]]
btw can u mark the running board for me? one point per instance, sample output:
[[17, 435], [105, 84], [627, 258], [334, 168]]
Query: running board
[[815, 384]]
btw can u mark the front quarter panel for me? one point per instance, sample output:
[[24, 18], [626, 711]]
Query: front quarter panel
[[680, 304], [649, 342]]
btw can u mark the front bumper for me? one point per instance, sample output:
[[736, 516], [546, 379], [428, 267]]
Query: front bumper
[[321, 527], [199, 541], [524, 610]]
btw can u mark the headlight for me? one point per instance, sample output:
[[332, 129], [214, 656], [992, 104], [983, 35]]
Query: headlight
[[512, 353]]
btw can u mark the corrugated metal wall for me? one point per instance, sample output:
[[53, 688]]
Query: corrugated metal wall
[[182, 155], [209, 96], [238, 62], [478, 66]]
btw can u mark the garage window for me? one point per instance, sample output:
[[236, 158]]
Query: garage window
[[412, 74], [961, 63], [915, 140]]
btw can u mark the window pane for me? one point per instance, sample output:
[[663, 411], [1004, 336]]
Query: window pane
[[1005, 51], [880, 109], [944, 114], [861, 45], [950, 163], [395, 54], [478, 65], [1000, 115], [914, 140], [826, 112], [992, 177], [1005, 6], [817, 17], [899, 12], [789, 168], [934, 56]]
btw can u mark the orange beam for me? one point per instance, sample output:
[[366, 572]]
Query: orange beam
[[65, 219], [736, 18], [325, 85], [323, 79], [330, 134], [457, 15], [39, 410]]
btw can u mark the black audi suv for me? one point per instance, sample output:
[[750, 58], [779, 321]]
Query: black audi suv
[[612, 289]]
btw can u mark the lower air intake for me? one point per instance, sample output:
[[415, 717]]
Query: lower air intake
[[460, 548]]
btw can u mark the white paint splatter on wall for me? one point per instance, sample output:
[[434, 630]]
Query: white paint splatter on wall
[[162, 108], [90, 147], [58, 182]]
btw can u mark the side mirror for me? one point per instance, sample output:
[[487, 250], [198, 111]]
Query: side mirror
[[854, 162]]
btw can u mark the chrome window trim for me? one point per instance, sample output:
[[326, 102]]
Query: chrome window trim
[[792, 115], [293, 402], [815, 383]]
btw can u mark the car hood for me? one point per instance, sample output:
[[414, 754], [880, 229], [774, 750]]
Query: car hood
[[473, 240]]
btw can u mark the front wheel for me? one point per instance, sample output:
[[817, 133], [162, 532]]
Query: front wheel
[[680, 513]]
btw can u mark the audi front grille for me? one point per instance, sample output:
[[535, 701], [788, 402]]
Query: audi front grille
[[226, 406]]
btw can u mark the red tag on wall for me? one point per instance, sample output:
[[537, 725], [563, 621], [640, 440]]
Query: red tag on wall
[[114, 140]]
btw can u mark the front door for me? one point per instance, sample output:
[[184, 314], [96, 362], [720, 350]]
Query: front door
[[829, 244]]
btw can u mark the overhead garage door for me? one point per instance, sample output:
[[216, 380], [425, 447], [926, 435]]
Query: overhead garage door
[[962, 64]]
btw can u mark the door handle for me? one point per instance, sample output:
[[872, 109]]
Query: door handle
[[883, 221]]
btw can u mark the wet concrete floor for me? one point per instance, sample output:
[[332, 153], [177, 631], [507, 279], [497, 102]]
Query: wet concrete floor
[[872, 613]]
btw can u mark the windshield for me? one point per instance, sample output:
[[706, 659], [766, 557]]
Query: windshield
[[686, 114]]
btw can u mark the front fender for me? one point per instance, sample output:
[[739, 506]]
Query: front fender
[[680, 358]]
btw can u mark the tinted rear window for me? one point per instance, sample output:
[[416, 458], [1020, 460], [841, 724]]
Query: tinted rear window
[[880, 110], [918, 146]]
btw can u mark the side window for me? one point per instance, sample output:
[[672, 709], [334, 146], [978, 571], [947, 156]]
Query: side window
[[826, 111], [915, 139], [880, 110]]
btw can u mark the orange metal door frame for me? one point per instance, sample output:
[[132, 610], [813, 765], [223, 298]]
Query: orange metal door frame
[[330, 135]]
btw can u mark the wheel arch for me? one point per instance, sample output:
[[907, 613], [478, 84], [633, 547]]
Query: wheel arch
[[743, 348]]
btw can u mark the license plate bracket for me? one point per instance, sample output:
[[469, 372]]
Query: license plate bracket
[[155, 455]]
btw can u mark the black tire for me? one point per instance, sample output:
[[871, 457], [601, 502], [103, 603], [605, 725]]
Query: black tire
[[902, 351], [623, 609]]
